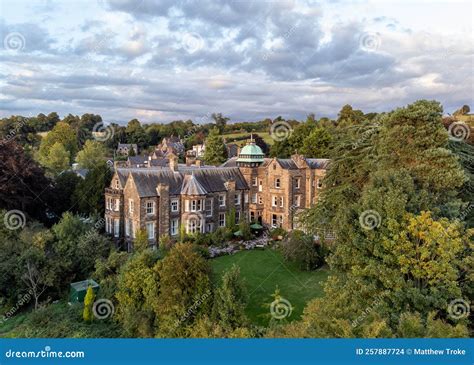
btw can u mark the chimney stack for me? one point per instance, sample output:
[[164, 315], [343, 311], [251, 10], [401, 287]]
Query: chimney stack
[[173, 161]]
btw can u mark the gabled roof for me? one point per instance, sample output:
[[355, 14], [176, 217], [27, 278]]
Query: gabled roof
[[206, 179], [191, 186], [318, 163]]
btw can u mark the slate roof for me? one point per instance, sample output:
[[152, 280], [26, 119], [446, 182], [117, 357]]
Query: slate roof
[[286, 163], [207, 179], [191, 186], [318, 163]]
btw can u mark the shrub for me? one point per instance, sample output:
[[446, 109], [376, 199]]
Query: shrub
[[301, 248]]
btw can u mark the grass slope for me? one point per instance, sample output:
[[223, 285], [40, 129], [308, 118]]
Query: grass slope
[[231, 136], [263, 271]]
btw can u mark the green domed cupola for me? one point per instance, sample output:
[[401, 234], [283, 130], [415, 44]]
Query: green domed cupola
[[251, 155]]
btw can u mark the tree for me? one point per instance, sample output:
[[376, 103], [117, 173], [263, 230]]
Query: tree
[[137, 289], [22, 181], [62, 133], [184, 289], [140, 242], [317, 144], [88, 303], [397, 186], [220, 121], [301, 248], [89, 194], [348, 116], [230, 301], [92, 155], [63, 190], [38, 275], [215, 152], [57, 159], [230, 221], [136, 134]]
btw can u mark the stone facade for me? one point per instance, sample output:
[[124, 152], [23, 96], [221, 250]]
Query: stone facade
[[197, 198]]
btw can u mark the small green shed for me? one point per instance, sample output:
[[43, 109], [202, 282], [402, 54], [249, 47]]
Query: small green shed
[[79, 290]]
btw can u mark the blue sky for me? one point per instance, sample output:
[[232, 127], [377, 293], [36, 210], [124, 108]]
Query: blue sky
[[164, 60]]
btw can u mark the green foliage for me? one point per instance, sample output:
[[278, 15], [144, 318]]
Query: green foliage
[[184, 290], [58, 321], [63, 134], [245, 230], [106, 272], [137, 290], [317, 144], [215, 152], [57, 159], [89, 193], [88, 302], [230, 301], [230, 223], [414, 258], [92, 155], [140, 242], [64, 187], [303, 250]]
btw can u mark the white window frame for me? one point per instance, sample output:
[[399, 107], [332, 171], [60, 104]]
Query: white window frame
[[277, 183], [222, 200], [127, 228], [131, 208], [150, 230], [116, 227], [282, 202], [246, 198], [260, 199], [254, 181], [254, 198], [274, 201], [194, 225], [174, 226], [260, 185], [117, 205], [297, 200], [274, 220], [210, 202], [150, 209], [174, 205], [221, 219], [297, 183], [237, 199]]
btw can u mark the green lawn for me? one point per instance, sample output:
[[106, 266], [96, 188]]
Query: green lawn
[[263, 271]]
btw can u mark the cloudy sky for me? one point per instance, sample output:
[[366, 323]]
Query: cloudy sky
[[162, 60]]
